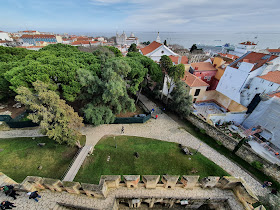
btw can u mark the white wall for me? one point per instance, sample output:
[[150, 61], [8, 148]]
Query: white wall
[[227, 117], [257, 85], [5, 36], [162, 50]]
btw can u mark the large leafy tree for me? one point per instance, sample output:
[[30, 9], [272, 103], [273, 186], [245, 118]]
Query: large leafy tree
[[175, 73], [133, 48], [57, 120], [181, 100], [55, 64], [165, 63], [105, 92]]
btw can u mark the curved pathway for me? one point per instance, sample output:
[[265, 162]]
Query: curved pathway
[[166, 129]]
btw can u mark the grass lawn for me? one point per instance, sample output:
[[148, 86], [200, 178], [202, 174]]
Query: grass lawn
[[21, 157], [156, 158]]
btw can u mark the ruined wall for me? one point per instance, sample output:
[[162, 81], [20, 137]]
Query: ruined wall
[[249, 155], [229, 142]]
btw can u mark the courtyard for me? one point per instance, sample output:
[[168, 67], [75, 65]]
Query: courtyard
[[154, 158]]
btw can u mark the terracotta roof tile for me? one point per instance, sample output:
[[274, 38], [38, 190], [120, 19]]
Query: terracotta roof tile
[[272, 76], [203, 66], [83, 42], [234, 57], [175, 59], [193, 81], [37, 36], [248, 43], [150, 48], [273, 50], [259, 59]]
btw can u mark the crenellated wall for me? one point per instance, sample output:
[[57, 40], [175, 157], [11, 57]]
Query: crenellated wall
[[238, 185]]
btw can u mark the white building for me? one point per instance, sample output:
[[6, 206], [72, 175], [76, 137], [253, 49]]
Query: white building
[[243, 48], [264, 84], [266, 115], [240, 73], [124, 40], [4, 36], [155, 50]]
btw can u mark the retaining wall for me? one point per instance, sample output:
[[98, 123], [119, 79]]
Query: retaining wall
[[229, 142], [249, 155]]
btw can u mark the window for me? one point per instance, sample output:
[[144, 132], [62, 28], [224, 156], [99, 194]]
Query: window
[[162, 52], [197, 91], [194, 100]]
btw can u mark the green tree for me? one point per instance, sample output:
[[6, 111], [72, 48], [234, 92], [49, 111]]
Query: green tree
[[105, 90], [133, 48], [115, 50], [57, 119], [181, 100], [193, 48], [165, 63], [175, 73]]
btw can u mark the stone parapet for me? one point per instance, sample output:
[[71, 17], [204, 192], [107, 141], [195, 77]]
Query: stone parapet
[[112, 181], [189, 182], [72, 187], [53, 184], [131, 180], [151, 181], [169, 181]]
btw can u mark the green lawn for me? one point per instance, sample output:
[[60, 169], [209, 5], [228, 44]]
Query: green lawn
[[156, 157], [21, 157]]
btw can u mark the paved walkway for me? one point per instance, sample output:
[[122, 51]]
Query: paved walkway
[[49, 199], [165, 129], [77, 163]]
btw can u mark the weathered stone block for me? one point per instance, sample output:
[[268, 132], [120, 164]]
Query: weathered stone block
[[5, 180], [210, 181], [32, 183], [169, 181], [72, 187], [189, 182], [151, 181], [112, 181], [53, 184], [98, 191], [131, 181]]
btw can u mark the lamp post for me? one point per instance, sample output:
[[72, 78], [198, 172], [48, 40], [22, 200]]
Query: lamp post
[[115, 142], [198, 148]]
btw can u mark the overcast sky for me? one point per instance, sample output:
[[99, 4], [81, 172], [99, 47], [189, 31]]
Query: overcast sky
[[140, 15]]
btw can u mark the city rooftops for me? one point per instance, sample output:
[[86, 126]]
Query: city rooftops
[[273, 50], [193, 81], [203, 66], [258, 59], [150, 48], [272, 76], [248, 43], [38, 36], [176, 59]]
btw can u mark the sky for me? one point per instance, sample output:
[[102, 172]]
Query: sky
[[140, 15]]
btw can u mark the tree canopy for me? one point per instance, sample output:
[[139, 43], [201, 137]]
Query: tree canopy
[[133, 48], [57, 119]]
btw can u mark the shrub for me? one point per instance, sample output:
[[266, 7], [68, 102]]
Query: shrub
[[257, 165], [202, 131]]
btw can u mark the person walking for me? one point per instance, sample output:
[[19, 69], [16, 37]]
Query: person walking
[[156, 116], [122, 131], [266, 184], [9, 191], [34, 195], [7, 205]]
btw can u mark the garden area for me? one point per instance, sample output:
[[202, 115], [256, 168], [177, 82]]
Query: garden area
[[21, 157], [143, 156]]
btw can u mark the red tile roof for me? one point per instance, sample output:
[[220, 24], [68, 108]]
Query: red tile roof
[[273, 50], [234, 57], [272, 76], [83, 42], [38, 36], [203, 66], [193, 81], [150, 48], [81, 38], [248, 43], [256, 58], [175, 59]]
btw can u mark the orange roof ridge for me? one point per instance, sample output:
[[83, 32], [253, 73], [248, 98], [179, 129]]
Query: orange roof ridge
[[203, 66], [272, 76], [150, 48], [193, 81]]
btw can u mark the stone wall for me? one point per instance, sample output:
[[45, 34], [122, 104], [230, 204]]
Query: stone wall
[[169, 182], [249, 155], [229, 142]]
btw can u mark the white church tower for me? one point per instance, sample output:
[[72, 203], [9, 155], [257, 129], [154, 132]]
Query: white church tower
[[158, 38]]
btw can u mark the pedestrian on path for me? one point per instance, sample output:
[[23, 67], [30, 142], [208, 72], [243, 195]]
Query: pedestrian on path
[[9, 191], [266, 184], [34, 195], [7, 205], [156, 116], [122, 131]]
